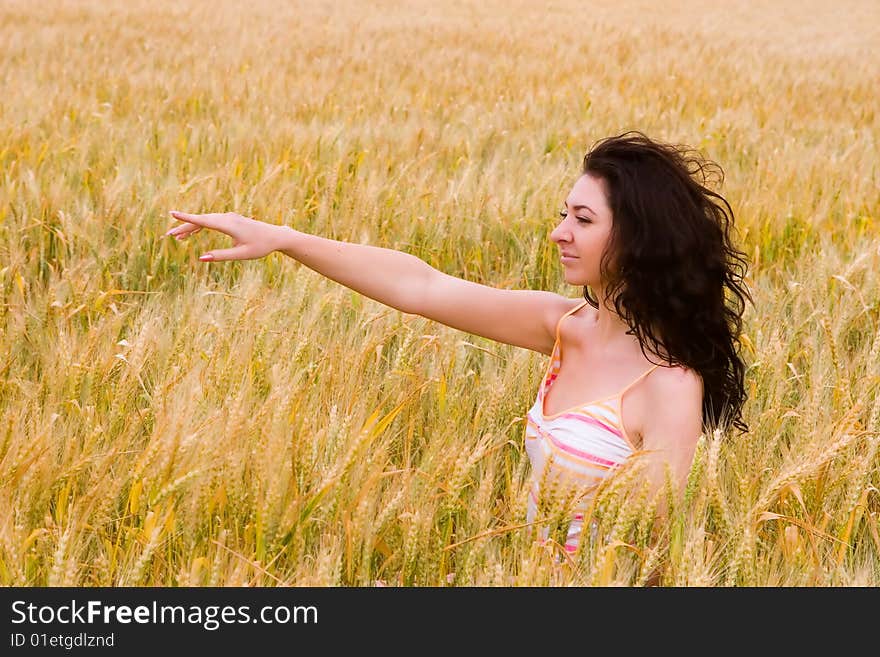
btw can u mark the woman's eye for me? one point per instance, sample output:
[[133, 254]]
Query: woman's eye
[[564, 214]]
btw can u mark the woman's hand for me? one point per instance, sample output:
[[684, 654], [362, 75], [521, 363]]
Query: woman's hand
[[251, 238]]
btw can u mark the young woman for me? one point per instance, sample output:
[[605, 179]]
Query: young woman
[[642, 367]]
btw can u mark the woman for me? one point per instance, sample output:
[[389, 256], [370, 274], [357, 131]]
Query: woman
[[653, 244]]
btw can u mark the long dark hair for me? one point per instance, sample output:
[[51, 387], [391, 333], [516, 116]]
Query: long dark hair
[[670, 260]]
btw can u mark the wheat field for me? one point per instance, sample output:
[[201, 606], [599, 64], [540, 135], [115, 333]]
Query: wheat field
[[168, 422]]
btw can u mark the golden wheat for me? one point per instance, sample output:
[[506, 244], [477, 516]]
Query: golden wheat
[[169, 422]]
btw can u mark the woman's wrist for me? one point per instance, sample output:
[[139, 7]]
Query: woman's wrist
[[281, 237]]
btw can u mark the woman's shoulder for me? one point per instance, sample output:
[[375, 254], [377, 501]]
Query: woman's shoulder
[[674, 381], [672, 414], [578, 308]]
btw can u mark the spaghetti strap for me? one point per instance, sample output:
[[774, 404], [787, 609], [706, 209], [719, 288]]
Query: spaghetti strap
[[641, 376], [569, 312]]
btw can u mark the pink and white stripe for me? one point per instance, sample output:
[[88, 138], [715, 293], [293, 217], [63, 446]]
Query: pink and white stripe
[[578, 447]]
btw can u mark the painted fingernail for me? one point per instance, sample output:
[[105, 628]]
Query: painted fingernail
[[206, 257]]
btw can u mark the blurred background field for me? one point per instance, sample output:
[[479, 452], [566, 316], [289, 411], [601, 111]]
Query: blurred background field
[[169, 422]]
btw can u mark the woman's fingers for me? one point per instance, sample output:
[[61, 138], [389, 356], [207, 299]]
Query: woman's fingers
[[198, 219], [180, 232], [251, 238], [235, 253], [214, 221]]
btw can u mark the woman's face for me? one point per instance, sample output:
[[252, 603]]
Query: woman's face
[[584, 231]]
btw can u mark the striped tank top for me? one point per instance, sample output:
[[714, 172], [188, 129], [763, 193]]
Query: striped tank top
[[578, 447]]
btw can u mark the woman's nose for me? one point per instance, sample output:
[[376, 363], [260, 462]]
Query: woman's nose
[[557, 233]]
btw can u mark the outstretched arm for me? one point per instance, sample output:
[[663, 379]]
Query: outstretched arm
[[524, 318], [390, 277]]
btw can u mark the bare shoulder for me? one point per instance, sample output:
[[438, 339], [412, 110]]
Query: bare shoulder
[[673, 405], [676, 379], [561, 306], [565, 305]]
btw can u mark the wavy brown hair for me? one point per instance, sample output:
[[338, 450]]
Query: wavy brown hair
[[670, 265]]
